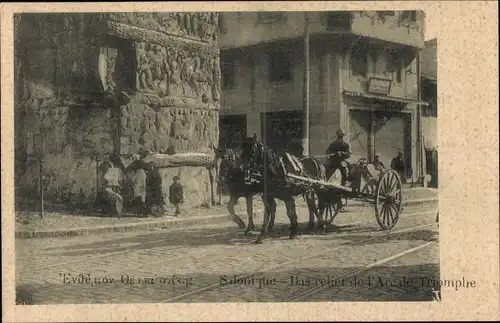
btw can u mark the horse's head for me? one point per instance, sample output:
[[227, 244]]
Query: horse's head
[[252, 153], [226, 161]]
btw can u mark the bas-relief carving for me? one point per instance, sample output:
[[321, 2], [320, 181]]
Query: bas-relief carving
[[167, 130], [177, 72], [216, 74], [177, 83], [195, 25], [183, 79]]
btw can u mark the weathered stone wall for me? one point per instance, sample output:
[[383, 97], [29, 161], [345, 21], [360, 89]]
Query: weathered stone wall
[[196, 182], [176, 101], [93, 85], [60, 113]]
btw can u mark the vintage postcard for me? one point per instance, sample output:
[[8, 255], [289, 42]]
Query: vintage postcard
[[250, 161]]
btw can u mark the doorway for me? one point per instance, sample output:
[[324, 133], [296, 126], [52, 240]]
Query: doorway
[[380, 132], [232, 130], [282, 131]]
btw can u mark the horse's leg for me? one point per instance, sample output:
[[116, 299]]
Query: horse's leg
[[218, 192], [251, 225], [292, 215], [233, 199], [311, 206], [272, 210], [212, 184], [265, 223], [320, 211], [221, 189]]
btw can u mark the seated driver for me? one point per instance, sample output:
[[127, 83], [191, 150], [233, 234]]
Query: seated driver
[[339, 151]]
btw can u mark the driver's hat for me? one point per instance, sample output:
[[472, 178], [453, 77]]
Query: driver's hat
[[340, 132]]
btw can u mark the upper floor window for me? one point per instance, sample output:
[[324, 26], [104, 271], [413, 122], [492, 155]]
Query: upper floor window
[[359, 61], [228, 71], [280, 66], [338, 20], [410, 15], [386, 13], [399, 72], [396, 66], [270, 16]]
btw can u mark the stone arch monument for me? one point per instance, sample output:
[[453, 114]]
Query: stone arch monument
[[112, 84]]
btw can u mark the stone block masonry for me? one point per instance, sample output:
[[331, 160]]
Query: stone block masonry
[[94, 90]]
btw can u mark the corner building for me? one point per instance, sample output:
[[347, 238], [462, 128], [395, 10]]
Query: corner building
[[363, 76]]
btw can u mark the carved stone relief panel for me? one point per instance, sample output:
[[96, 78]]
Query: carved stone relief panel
[[177, 72], [194, 25], [152, 75], [168, 129]]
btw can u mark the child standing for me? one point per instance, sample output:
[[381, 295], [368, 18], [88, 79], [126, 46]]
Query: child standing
[[176, 194]]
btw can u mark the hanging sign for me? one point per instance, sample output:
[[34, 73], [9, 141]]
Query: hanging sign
[[379, 85]]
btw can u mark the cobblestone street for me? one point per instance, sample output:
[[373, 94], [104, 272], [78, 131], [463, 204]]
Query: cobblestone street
[[354, 261]]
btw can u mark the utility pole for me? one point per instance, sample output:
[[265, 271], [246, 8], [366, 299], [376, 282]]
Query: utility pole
[[40, 172], [423, 166], [305, 130]]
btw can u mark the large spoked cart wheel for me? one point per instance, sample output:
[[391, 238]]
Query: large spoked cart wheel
[[333, 204], [388, 199]]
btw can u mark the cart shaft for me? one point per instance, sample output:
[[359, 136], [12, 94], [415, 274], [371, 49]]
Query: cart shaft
[[319, 182]]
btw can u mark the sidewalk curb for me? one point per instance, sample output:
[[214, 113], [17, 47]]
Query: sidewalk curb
[[166, 223], [128, 227]]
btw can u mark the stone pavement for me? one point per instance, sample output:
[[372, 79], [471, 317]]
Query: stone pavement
[[57, 223], [189, 264]]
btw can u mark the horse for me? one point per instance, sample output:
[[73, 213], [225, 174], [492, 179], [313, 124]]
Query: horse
[[271, 169], [232, 177]]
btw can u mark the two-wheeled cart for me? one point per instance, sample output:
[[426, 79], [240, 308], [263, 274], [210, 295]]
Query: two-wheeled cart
[[385, 194]]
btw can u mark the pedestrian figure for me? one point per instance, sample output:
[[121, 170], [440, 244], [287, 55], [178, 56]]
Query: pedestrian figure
[[176, 194], [377, 163], [398, 164], [112, 184], [137, 173]]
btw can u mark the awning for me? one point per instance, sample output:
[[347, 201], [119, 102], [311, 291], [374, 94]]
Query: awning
[[385, 98], [429, 78]]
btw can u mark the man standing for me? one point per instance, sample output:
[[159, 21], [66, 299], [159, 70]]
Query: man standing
[[339, 151], [377, 163], [139, 175], [398, 164], [176, 194]]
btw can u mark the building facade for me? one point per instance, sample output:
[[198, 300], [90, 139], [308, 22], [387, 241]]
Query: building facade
[[430, 112], [363, 78], [429, 94]]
